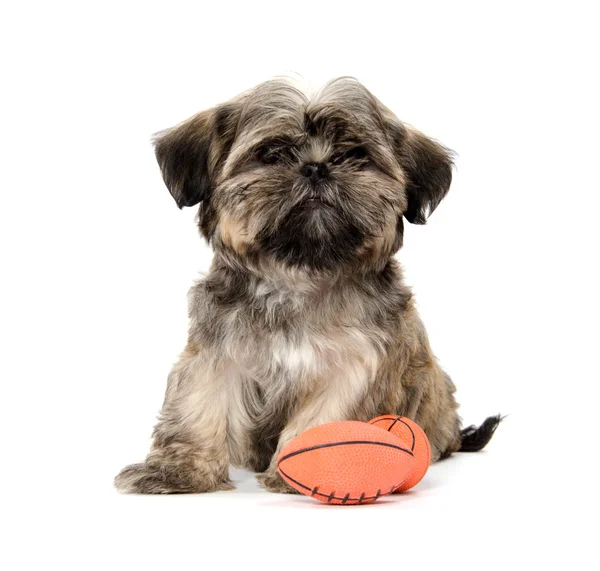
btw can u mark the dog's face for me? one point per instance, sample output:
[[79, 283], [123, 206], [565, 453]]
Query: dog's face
[[320, 183]]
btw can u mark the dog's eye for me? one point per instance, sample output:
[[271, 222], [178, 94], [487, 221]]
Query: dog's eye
[[270, 157], [356, 154], [353, 154]]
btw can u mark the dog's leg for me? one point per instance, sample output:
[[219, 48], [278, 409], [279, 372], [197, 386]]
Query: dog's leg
[[436, 413], [311, 415], [333, 399], [424, 392], [189, 451]]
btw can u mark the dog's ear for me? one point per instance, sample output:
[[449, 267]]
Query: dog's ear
[[190, 153], [427, 166]]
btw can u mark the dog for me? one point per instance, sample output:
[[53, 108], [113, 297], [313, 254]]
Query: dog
[[304, 317]]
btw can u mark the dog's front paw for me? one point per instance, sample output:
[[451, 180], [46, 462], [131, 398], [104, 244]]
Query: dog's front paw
[[273, 482], [151, 479]]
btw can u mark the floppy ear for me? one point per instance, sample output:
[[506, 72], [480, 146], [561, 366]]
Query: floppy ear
[[428, 168], [190, 153]]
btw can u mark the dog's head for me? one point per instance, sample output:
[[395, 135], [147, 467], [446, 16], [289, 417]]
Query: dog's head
[[314, 183]]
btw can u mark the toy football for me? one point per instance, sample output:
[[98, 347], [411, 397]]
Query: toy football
[[345, 463], [413, 437]]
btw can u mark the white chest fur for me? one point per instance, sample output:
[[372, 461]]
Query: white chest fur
[[346, 352]]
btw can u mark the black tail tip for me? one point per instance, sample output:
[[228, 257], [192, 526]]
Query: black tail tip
[[474, 438]]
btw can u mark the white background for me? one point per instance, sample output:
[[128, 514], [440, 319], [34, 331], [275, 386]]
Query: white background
[[97, 260]]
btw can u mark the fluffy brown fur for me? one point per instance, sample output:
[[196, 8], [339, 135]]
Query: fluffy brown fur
[[304, 317]]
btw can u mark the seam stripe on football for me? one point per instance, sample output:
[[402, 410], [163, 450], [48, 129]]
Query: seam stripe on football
[[397, 419], [343, 443], [411, 431], [393, 423], [334, 497], [384, 419]]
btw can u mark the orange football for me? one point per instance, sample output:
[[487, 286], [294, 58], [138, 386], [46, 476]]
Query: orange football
[[345, 463], [416, 441]]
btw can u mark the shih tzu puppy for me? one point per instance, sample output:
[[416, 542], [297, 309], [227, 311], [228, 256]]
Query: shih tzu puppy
[[304, 317]]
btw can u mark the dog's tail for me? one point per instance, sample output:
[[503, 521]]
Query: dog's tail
[[474, 438]]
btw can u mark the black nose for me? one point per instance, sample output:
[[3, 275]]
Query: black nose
[[315, 171]]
